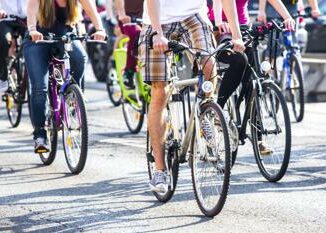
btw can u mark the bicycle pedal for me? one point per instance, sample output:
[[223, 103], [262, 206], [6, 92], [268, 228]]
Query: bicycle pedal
[[150, 157]]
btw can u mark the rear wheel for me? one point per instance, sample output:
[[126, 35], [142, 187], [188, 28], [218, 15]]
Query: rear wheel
[[270, 124], [134, 112], [75, 129], [171, 160], [52, 137], [113, 87], [211, 161]]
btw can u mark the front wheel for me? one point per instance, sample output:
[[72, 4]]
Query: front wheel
[[75, 129], [211, 160], [134, 112], [13, 97], [296, 89], [270, 125]]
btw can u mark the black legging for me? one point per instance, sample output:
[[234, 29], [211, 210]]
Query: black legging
[[233, 76], [6, 30]]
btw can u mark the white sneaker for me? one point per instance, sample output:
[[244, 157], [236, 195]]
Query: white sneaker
[[159, 182], [3, 86]]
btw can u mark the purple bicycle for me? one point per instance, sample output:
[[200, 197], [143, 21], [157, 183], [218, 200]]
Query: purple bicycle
[[66, 109]]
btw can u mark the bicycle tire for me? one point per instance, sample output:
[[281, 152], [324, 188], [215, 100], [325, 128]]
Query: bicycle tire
[[139, 115], [172, 164], [226, 171], [281, 105], [296, 67], [13, 97], [52, 135], [112, 83], [81, 115]]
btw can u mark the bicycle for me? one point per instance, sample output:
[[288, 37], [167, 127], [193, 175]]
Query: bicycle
[[133, 100], [201, 137], [266, 113], [66, 108], [18, 90], [287, 66]]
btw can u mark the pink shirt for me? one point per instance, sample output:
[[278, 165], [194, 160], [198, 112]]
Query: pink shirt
[[242, 9]]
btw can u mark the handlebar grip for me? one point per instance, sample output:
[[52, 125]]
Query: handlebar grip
[[150, 42]]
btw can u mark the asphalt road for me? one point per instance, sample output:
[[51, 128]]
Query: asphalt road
[[111, 194]]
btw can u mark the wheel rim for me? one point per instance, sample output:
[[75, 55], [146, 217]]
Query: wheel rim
[[72, 130], [113, 85], [209, 164], [133, 114], [12, 98], [50, 134], [295, 91], [274, 135]]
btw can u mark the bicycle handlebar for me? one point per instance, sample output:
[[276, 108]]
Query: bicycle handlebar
[[67, 39], [11, 18]]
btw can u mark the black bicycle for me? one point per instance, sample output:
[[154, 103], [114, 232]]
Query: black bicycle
[[266, 114], [18, 89]]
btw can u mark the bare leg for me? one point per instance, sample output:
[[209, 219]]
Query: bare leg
[[156, 122]]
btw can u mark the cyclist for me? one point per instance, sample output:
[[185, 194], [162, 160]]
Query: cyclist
[[232, 77], [291, 5], [126, 10], [168, 17], [17, 8], [58, 17]]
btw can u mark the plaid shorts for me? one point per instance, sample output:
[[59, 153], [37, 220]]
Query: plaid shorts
[[193, 31]]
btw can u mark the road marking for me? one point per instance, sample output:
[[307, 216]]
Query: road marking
[[124, 142]]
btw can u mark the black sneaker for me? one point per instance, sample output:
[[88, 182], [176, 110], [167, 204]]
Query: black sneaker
[[40, 146], [128, 79]]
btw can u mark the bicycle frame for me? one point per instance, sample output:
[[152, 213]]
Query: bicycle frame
[[121, 58], [56, 98]]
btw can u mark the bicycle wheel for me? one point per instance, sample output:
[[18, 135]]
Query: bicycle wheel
[[171, 161], [211, 160], [270, 123], [13, 98], [113, 87], [52, 137], [296, 89], [75, 129], [134, 112]]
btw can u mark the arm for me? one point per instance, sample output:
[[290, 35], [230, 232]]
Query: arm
[[121, 12], [281, 9], [261, 17], [109, 10], [91, 11], [160, 43], [223, 27], [32, 8]]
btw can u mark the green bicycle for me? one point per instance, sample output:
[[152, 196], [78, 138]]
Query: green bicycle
[[133, 101]]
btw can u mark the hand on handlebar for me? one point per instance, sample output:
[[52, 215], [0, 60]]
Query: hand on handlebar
[[2, 14], [160, 43], [289, 24], [238, 45], [35, 35], [223, 27], [315, 13], [261, 17], [124, 19], [99, 35]]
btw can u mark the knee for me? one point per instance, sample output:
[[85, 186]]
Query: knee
[[159, 95]]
